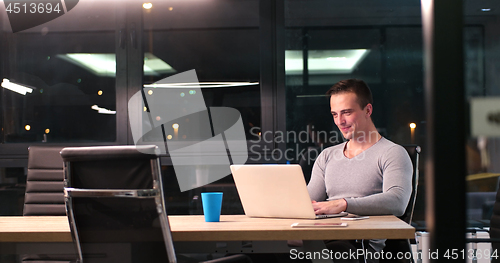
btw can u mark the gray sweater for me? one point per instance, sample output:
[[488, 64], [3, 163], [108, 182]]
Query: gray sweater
[[375, 182]]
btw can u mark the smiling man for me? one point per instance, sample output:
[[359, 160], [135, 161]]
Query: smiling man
[[365, 175]]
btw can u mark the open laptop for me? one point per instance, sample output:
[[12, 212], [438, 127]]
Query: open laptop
[[274, 191]]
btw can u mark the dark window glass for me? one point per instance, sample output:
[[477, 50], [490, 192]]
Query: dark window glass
[[69, 66], [218, 39], [221, 41], [377, 42]]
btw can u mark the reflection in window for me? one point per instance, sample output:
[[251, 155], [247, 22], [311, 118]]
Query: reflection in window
[[220, 48], [324, 61], [104, 65], [69, 102], [61, 106]]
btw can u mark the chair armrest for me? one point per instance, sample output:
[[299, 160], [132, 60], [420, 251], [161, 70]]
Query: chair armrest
[[133, 193]]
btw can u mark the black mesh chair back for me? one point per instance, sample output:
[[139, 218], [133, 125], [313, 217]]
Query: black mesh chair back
[[114, 194], [403, 245], [44, 185], [414, 152]]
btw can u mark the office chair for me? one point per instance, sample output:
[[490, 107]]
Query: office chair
[[494, 232], [403, 245], [44, 194], [44, 183], [115, 194]]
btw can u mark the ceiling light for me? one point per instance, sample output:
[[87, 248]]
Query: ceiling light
[[485, 9], [154, 66], [342, 61], [104, 64], [102, 110], [16, 87], [147, 5]]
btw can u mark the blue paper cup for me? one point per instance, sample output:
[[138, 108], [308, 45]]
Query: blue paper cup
[[212, 203]]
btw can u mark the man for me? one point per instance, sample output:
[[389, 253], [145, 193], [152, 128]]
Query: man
[[367, 174]]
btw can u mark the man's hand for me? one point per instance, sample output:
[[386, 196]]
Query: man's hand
[[329, 207]]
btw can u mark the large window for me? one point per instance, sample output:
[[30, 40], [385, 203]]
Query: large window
[[218, 39], [381, 43], [82, 69], [326, 43], [221, 41], [68, 67]]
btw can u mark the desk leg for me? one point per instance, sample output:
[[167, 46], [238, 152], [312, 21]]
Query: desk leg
[[316, 246]]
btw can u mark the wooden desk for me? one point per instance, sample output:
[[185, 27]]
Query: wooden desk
[[234, 234], [240, 227], [34, 229], [231, 228]]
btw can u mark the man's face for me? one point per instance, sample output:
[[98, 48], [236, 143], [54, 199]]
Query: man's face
[[351, 120]]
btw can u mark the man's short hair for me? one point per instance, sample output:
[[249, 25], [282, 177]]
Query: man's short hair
[[356, 86]]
